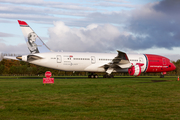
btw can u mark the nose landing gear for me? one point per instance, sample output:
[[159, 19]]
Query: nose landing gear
[[162, 74]]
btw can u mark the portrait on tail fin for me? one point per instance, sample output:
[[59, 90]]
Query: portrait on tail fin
[[32, 46]]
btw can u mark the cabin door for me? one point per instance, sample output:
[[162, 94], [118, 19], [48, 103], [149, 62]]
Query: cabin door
[[93, 59], [140, 60], [164, 61], [59, 59]]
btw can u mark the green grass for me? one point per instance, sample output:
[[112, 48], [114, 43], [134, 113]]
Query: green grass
[[82, 98]]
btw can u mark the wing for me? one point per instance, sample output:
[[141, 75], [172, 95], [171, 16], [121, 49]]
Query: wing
[[120, 61]]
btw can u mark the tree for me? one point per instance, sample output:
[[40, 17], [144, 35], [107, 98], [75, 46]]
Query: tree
[[13, 70], [2, 69]]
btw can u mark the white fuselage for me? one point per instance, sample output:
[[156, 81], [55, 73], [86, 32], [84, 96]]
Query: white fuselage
[[90, 62]]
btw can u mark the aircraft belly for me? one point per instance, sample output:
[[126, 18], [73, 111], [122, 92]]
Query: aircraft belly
[[46, 63], [94, 68]]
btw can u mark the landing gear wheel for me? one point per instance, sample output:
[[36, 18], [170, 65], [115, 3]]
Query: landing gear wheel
[[161, 76], [89, 76], [111, 76], [96, 76], [105, 76], [92, 75]]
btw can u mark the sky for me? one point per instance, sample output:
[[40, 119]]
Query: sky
[[105, 26]]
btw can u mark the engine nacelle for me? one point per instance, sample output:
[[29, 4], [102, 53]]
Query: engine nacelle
[[135, 70]]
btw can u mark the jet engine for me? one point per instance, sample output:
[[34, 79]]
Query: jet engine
[[135, 70]]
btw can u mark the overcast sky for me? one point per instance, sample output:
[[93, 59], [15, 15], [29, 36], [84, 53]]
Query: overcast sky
[[132, 26]]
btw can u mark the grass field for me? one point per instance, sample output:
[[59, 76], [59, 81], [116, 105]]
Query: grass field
[[78, 98]]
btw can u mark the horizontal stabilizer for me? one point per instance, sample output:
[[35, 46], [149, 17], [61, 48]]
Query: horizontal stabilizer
[[10, 58]]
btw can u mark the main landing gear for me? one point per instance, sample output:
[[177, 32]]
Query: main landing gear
[[92, 75], [108, 76]]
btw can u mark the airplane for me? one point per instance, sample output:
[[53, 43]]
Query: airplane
[[134, 64]]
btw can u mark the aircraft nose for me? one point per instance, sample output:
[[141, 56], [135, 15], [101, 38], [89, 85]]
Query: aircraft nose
[[173, 66]]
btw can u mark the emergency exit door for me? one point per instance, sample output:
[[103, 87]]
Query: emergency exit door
[[140, 60], [93, 59], [59, 59]]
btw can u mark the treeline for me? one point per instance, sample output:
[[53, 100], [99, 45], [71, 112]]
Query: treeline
[[20, 68]]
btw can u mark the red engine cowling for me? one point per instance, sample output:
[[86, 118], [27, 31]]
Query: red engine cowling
[[135, 70]]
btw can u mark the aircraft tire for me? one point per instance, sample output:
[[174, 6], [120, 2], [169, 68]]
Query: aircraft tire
[[92, 76], [108, 76], [111, 76], [96, 76]]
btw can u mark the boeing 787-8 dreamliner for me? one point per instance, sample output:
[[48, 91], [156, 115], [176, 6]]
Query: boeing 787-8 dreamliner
[[134, 64]]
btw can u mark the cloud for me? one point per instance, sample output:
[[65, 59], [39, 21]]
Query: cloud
[[42, 3], [116, 1], [170, 7], [173, 57], [161, 29], [107, 4], [73, 14], [144, 28], [91, 38], [43, 11], [6, 34], [29, 17], [23, 2], [19, 49]]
